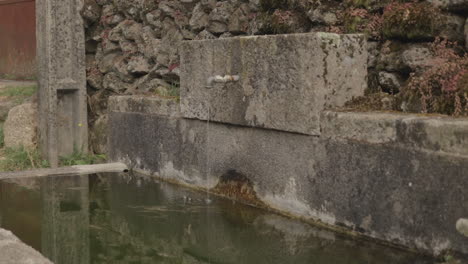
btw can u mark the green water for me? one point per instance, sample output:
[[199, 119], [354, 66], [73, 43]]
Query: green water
[[129, 219]]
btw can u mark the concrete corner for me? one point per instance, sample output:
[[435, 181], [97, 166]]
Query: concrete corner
[[13, 251]]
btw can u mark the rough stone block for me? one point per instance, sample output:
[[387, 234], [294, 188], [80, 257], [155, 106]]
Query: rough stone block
[[285, 80], [21, 126]]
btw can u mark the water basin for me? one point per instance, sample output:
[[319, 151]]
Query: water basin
[[110, 218]]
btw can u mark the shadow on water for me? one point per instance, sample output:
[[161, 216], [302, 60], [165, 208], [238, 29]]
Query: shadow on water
[[123, 219]]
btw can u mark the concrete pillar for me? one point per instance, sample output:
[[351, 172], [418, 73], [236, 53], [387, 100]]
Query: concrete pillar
[[62, 78]]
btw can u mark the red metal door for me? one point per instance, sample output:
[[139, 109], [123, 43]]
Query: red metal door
[[17, 39]]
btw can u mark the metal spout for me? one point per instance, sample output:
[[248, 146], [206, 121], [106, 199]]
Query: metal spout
[[221, 79]]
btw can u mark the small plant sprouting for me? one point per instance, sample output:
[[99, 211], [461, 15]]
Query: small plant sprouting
[[412, 21], [80, 158], [23, 91], [174, 90], [22, 158], [171, 92]]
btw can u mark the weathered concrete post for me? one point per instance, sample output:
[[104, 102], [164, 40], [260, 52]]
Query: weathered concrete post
[[62, 78]]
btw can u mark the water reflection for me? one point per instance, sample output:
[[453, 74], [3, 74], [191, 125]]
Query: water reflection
[[115, 219], [65, 219]]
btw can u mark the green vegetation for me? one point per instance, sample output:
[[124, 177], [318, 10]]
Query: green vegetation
[[276, 23], [21, 158], [17, 159], [24, 91], [17, 77], [174, 90], [283, 16], [80, 158], [20, 93], [443, 88], [411, 21], [171, 92]]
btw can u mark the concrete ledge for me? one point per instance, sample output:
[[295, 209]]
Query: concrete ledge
[[385, 191], [66, 171], [13, 251], [367, 127], [443, 134], [432, 133]]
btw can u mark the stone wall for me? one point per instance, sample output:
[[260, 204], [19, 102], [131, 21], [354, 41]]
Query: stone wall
[[133, 46], [395, 177]]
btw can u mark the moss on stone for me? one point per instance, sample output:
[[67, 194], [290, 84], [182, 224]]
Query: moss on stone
[[353, 23], [282, 22], [411, 21], [372, 102], [270, 25]]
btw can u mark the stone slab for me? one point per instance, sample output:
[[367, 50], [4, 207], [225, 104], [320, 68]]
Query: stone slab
[[13, 251], [385, 191], [285, 80], [430, 133]]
